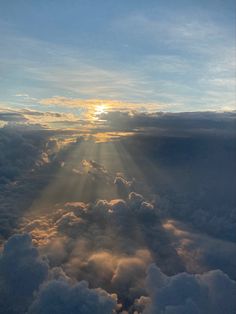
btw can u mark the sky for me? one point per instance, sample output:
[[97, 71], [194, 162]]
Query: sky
[[117, 157], [165, 55]]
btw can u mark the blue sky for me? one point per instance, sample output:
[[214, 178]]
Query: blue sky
[[177, 55]]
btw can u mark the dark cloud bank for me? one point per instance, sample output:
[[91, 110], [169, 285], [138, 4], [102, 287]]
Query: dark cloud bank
[[29, 286], [189, 160], [144, 224], [26, 161]]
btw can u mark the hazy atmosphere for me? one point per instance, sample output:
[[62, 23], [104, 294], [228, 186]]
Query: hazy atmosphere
[[117, 157]]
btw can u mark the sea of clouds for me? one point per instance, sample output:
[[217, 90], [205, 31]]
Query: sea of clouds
[[80, 237]]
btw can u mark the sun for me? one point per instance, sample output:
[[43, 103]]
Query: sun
[[100, 109]]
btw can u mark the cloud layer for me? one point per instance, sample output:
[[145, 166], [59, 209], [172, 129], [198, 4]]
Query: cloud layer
[[209, 293], [101, 213], [29, 285]]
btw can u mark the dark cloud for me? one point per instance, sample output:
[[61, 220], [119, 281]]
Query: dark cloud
[[180, 124], [209, 293], [201, 252], [28, 285], [21, 272], [25, 143], [91, 220], [59, 297], [107, 243], [28, 160], [12, 117], [124, 187], [36, 119], [192, 176]]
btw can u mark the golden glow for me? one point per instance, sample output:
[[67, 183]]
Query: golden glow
[[91, 110], [105, 137], [100, 109], [101, 105]]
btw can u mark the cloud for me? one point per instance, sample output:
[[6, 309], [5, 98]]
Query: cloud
[[178, 31], [193, 57], [108, 243], [12, 117], [111, 119], [22, 95], [40, 119], [109, 104], [22, 178], [171, 123], [124, 187], [106, 227], [93, 108], [156, 135], [26, 283], [21, 272], [173, 145], [210, 293], [128, 277], [59, 297], [201, 252]]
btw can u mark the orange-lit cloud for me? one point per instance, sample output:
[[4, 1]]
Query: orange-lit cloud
[[99, 106]]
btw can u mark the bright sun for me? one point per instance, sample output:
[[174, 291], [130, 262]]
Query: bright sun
[[100, 109]]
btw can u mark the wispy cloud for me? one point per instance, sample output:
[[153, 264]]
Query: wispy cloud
[[166, 59], [110, 104]]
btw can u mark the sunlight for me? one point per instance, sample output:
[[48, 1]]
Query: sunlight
[[100, 109]]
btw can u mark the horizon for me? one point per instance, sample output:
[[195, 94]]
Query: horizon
[[175, 56]]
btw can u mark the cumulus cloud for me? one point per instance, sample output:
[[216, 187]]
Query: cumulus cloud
[[31, 146], [59, 297], [124, 187], [22, 270], [127, 279], [201, 252], [27, 283], [103, 227], [210, 293], [178, 156], [108, 243], [25, 155]]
